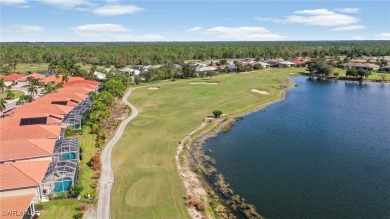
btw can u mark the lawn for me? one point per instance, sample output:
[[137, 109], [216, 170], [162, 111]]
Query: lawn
[[59, 209], [17, 93], [147, 184]]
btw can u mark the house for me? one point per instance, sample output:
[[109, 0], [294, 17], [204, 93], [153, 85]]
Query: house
[[365, 66], [264, 64], [385, 68], [205, 69], [286, 64], [100, 75], [26, 150], [22, 178], [299, 61], [16, 207], [12, 78], [30, 132], [33, 75]]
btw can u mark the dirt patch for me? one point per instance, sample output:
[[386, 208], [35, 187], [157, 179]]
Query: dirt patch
[[260, 91], [204, 83], [153, 88]]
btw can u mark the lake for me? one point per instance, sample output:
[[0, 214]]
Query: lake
[[323, 152]]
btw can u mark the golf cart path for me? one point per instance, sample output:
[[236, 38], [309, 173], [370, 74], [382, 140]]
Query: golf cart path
[[107, 175]]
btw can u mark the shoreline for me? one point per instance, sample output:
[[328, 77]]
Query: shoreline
[[200, 184]]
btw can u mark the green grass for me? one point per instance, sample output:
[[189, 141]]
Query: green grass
[[33, 67], [17, 93], [87, 144], [64, 209], [147, 184]]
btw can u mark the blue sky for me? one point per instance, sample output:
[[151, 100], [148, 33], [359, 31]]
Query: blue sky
[[124, 20]]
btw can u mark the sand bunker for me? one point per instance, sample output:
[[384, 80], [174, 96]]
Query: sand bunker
[[291, 73], [203, 83], [153, 88], [261, 91]]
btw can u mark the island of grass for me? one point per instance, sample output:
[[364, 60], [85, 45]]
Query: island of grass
[[147, 183]]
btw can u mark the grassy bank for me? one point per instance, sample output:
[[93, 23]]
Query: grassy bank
[[17, 93], [147, 184]]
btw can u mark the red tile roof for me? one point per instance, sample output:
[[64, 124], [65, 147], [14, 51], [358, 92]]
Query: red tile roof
[[22, 174], [33, 75], [15, 119], [29, 132], [15, 206], [26, 148], [12, 77], [36, 107]]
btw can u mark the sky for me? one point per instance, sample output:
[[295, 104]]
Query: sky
[[174, 20]]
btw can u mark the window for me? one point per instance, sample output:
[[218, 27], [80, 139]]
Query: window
[[59, 102]]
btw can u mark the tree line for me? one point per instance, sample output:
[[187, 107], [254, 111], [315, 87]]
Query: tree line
[[120, 54]]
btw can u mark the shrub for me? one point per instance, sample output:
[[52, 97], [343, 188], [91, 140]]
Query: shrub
[[217, 113], [95, 162], [75, 191], [82, 207], [201, 207], [79, 215]]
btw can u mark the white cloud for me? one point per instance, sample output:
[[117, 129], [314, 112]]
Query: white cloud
[[96, 30], [351, 27], [112, 10], [112, 32], [264, 18], [383, 36], [194, 29], [65, 3], [321, 17], [13, 2], [348, 10], [243, 33], [23, 29], [358, 38], [29, 28]]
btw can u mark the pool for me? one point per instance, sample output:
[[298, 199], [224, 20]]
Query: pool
[[62, 185], [68, 156]]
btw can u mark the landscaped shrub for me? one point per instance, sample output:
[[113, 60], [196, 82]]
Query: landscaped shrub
[[82, 207], [201, 206], [79, 215], [75, 191], [95, 162]]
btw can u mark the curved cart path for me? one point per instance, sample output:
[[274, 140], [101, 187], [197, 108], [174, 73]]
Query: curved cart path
[[107, 175]]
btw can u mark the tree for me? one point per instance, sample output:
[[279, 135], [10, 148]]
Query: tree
[[32, 89], [3, 104], [363, 73], [223, 62], [257, 66], [188, 70], [115, 87], [239, 67], [217, 113], [24, 99], [107, 98], [351, 72], [2, 85], [10, 95]]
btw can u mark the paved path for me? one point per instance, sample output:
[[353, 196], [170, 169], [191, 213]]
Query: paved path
[[107, 175]]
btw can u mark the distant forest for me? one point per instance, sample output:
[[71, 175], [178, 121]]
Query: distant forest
[[176, 52]]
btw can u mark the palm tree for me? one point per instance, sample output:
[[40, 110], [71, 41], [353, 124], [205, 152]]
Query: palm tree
[[2, 85], [32, 89], [3, 104], [53, 67], [65, 78], [24, 99]]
